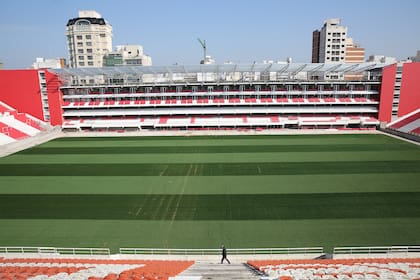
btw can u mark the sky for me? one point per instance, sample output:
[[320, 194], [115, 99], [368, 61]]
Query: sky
[[240, 31]]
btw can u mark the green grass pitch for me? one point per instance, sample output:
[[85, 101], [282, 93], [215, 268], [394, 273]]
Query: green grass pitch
[[200, 192]]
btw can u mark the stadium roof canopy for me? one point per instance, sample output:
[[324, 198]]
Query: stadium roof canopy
[[292, 68]]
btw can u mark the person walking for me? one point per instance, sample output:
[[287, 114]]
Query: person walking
[[224, 255]]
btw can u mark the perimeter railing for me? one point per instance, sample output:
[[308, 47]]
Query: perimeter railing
[[54, 250], [376, 250], [203, 252]]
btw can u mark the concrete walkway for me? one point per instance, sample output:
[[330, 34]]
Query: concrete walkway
[[215, 270]]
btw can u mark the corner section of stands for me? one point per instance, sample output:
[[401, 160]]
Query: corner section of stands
[[409, 123], [15, 126], [90, 269]]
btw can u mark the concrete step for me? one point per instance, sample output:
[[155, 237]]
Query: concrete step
[[216, 271]]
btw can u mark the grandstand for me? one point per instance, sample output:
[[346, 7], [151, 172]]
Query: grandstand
[[209, 97]]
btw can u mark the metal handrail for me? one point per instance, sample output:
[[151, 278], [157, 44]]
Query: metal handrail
[[377, 250], [54, 250], [234, 251]]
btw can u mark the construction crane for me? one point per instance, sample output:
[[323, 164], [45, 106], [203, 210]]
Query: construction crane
[[203, 44]]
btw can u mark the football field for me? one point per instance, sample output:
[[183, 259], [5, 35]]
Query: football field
[[204, 191]]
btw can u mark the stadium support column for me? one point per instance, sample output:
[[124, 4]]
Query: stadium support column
[[410, 89], [387, 93], [55, 98]]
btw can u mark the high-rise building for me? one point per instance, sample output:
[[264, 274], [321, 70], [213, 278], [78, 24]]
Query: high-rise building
[[89, 38], [315, 46], [331, 45], [127, 55], [332, 42]]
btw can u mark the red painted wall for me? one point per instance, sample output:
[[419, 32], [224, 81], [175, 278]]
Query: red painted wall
[[20, 89], [55, 99], [410, 89], [387, 93]]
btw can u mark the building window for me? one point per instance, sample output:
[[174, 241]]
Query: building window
[[79, 44], [80, 51], [88, 44], [102, 35], [89, 50], [88, 37], [79, 37], [328, 40], [90, 57], [81, 63], [81, 57], [90, 63]]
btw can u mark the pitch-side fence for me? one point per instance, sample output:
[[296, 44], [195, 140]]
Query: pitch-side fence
[[203, 252]]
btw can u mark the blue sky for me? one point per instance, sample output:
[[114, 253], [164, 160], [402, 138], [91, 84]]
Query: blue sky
[[241, 31]]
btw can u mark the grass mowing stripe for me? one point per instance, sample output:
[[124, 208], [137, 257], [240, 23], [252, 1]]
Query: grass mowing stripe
[[114, 234], [214, 157], [270, 184], [212, 207], [210, 169], [215, 149]]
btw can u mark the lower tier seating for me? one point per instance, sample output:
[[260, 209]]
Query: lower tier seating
[[409, 123], [90, 269], [15, 126], [221, 121], [375, 268]]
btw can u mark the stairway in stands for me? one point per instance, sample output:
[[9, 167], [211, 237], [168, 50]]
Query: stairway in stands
[[217, 271]]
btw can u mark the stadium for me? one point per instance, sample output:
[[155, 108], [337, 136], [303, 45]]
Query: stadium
[[303, 171]]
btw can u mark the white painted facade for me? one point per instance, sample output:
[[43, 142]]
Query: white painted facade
[[133, 55], [89, 38], [41, 62]]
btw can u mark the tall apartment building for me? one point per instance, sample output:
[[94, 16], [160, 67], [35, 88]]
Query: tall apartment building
[[331, 45], [127, 55], [330, 42], [89, 38]]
